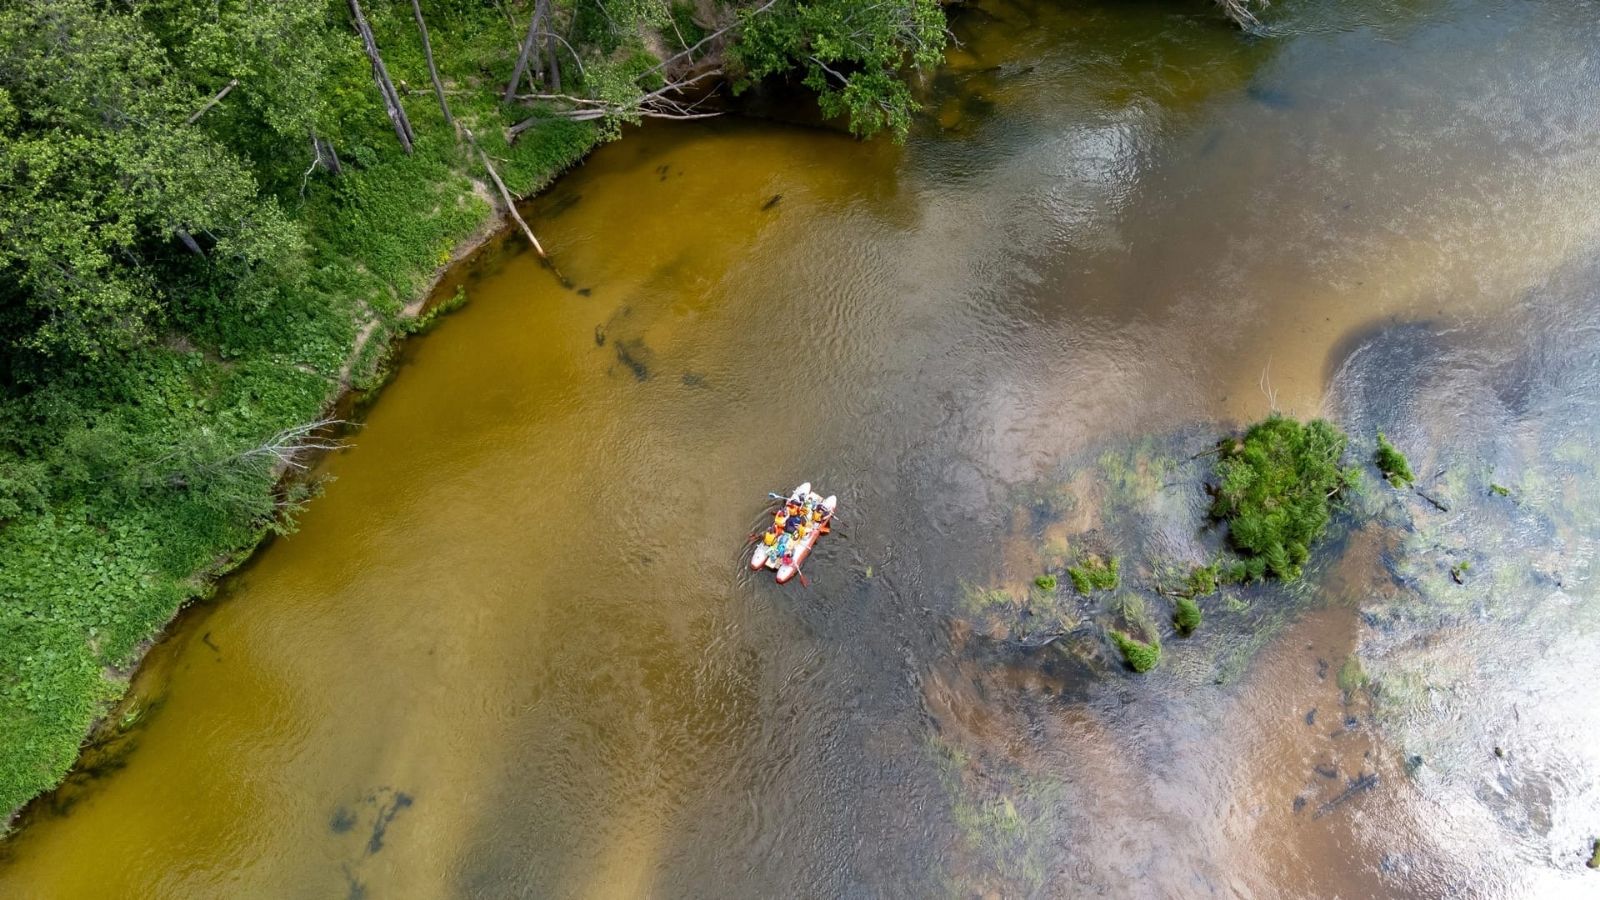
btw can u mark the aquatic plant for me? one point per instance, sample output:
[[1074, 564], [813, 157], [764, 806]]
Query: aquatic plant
[[1095, 574], [1203, 579], [1207, 579], [1141, 656], [1187, 616], [1392, 463], [977, 599], [1351, 677], [1276, 488], [1046, 582]]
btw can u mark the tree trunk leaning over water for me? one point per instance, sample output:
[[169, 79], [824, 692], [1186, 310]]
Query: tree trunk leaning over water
[[433, 70], [511, 203], [380, 74]]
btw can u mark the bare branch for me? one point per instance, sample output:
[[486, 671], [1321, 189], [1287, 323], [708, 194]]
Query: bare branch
[[215, 99], [709, 38], [286, 446], [511, 204]]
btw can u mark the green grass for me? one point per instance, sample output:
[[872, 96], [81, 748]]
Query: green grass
[[1046, 582], [133, 491], [1141, 656], [1351, 678], [1276, 488], [1187, 616], [1392, 463], [1095, 574]]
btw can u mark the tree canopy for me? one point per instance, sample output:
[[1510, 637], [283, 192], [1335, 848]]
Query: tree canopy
[[108, 183], [852, 54]]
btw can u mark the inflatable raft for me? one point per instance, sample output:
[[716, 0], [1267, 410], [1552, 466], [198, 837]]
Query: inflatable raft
[[794, 550]]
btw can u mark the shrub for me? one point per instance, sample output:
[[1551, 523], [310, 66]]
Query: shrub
[[1046, 582], [1204, 579], [1141, 657], [1276, 489], [1094, 574], [1392, 463], [1187, 616]]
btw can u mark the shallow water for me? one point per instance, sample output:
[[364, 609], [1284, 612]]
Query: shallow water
[[513, 650]]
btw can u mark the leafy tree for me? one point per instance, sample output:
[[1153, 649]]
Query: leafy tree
[[281, 53], [106, 183], [850, 53]]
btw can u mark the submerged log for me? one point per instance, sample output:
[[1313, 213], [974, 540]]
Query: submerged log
[[1364, 783]]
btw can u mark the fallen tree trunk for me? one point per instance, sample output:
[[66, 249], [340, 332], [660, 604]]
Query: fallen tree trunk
[[511, 203]]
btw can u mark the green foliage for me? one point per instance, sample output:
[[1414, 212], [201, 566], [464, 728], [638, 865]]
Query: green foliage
[[684, 32], [1499, 490], [1046, 582], [1351, 678], [1094, 574], [1140, 656], [102, 175], [1276, 489], [137, 379], [1187, 616], [850, 53], [1392, 463], [1594, 858], [1204, 580]]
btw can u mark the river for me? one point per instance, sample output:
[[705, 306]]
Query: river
[[514, 651]]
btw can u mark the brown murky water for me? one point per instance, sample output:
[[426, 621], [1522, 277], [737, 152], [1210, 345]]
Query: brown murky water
[[512, 652]]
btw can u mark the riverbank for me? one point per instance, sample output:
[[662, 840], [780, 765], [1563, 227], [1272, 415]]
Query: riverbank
[[195, 435], [161, 378], [81, 688], [470, 672]]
